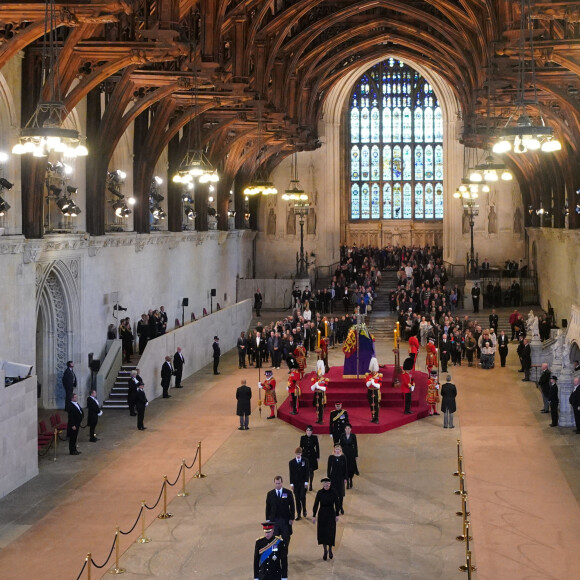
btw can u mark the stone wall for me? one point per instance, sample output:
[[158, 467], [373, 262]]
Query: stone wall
[[275, 293], [18, 434]]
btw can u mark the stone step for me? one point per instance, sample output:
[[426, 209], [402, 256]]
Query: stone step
[[114, 405]]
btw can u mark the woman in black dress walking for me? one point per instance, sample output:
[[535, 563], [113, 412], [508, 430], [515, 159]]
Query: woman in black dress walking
[[337, 471], [350, 449], [310, 450], [328, 502]]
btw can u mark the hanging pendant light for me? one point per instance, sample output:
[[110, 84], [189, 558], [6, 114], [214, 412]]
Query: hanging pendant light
[[44, 133]]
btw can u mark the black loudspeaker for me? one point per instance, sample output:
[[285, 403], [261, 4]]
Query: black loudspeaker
[[213, 292], [95, 365], [564, 323], [185, 302]]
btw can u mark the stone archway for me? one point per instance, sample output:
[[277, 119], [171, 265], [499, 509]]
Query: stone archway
[[57, 327]]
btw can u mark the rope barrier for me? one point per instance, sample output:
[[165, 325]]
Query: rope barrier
[[108, 557], [177, 478], [143, 538], [45, 451], [134, 525]]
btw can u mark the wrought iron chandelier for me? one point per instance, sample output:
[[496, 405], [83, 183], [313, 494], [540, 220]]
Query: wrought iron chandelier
[[520, 134], [44, 132]]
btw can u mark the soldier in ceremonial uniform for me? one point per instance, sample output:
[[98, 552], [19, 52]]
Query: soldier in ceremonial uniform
[[432, 393], [338, 421], [414, 348], [293, 389], [270, 556], [269, 387], [407, 384], [431, 356], [310, 450], [319, 388], [373, 381], [300, 355]]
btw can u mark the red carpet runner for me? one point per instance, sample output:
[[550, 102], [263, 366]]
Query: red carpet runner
[[352, 393]]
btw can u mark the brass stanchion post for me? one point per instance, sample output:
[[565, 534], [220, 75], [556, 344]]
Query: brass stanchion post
[[463, 512], [55, 442], [465, 536], [461, 490], [143, 539], [183, 493], [199, 473], [468, 566], [116, 569], [88, 561], [459, 459], [165, 515]]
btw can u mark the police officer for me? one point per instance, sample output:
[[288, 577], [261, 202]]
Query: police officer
[[270, 556]]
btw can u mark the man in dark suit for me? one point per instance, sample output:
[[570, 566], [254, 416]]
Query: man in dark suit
[[134, 382], [493, 320], [270, 556], [310, 450], [166, 374], [94, 412], [526, 360], [554, 400], [502, 346], [69, 382], [257, 301], [544, 386], [259, 349], [244, 408], [216, 354], [75, 416], [178, 362], [280, 510], [475, 294], [574, 400], [299, 477], [242, 350], [140, 404]]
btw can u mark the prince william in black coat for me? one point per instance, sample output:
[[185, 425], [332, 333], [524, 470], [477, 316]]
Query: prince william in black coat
[[280, 509]]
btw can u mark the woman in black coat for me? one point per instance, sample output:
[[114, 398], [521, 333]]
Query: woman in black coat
[[349, 446], [337, 471], [328, 502], [310, 450]]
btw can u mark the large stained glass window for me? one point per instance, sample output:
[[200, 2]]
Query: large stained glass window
[[396, 145]]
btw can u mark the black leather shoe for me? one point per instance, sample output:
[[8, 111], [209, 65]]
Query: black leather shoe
[[330, 554], [180, 387], [298, 518], [77, 452], [93, 440], [133, 414], [306, 513], [240, 428]]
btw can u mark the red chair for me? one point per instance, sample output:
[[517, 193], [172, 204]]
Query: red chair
[[177, 323], [218, 306], [193, 317], [56, 421], [43, 437], [204, 312]]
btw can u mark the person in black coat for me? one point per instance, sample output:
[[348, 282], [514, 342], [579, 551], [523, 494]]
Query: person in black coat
[[75, 416], [133, 383], [337, 471], [544, 386], [327, 506], [299, 474], [270, 556], [554, 400], [69, 382], [349, 446], [475, 294], [574, 400], [140, 404], [502, 347], [242, 350], [448, 406], [310, 450], [444, 353], [280, 509], [257, 301], [243, 407], [94, 412], [166, 374], [494, 321], [216, 354], [178, 362], [526, 360]]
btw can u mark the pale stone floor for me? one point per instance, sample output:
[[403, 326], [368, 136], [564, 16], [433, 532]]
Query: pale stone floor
[[400, 522]]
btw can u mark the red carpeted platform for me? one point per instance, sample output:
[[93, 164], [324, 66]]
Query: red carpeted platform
[[352, 393]]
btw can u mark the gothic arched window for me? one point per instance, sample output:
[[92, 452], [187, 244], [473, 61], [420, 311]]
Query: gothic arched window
[[396, 145]]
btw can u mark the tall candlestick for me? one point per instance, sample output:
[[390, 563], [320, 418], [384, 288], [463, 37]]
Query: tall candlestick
[[318, 340]]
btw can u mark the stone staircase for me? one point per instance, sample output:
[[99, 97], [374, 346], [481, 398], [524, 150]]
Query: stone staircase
[[120, 390]]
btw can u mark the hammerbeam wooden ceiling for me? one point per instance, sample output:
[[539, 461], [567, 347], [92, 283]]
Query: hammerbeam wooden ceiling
[[283, 57]]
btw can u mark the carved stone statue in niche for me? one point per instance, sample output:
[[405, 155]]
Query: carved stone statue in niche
[[465, 222], [271, 228], [311, 222], [291, 222], [492, 221], [518, 221]]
